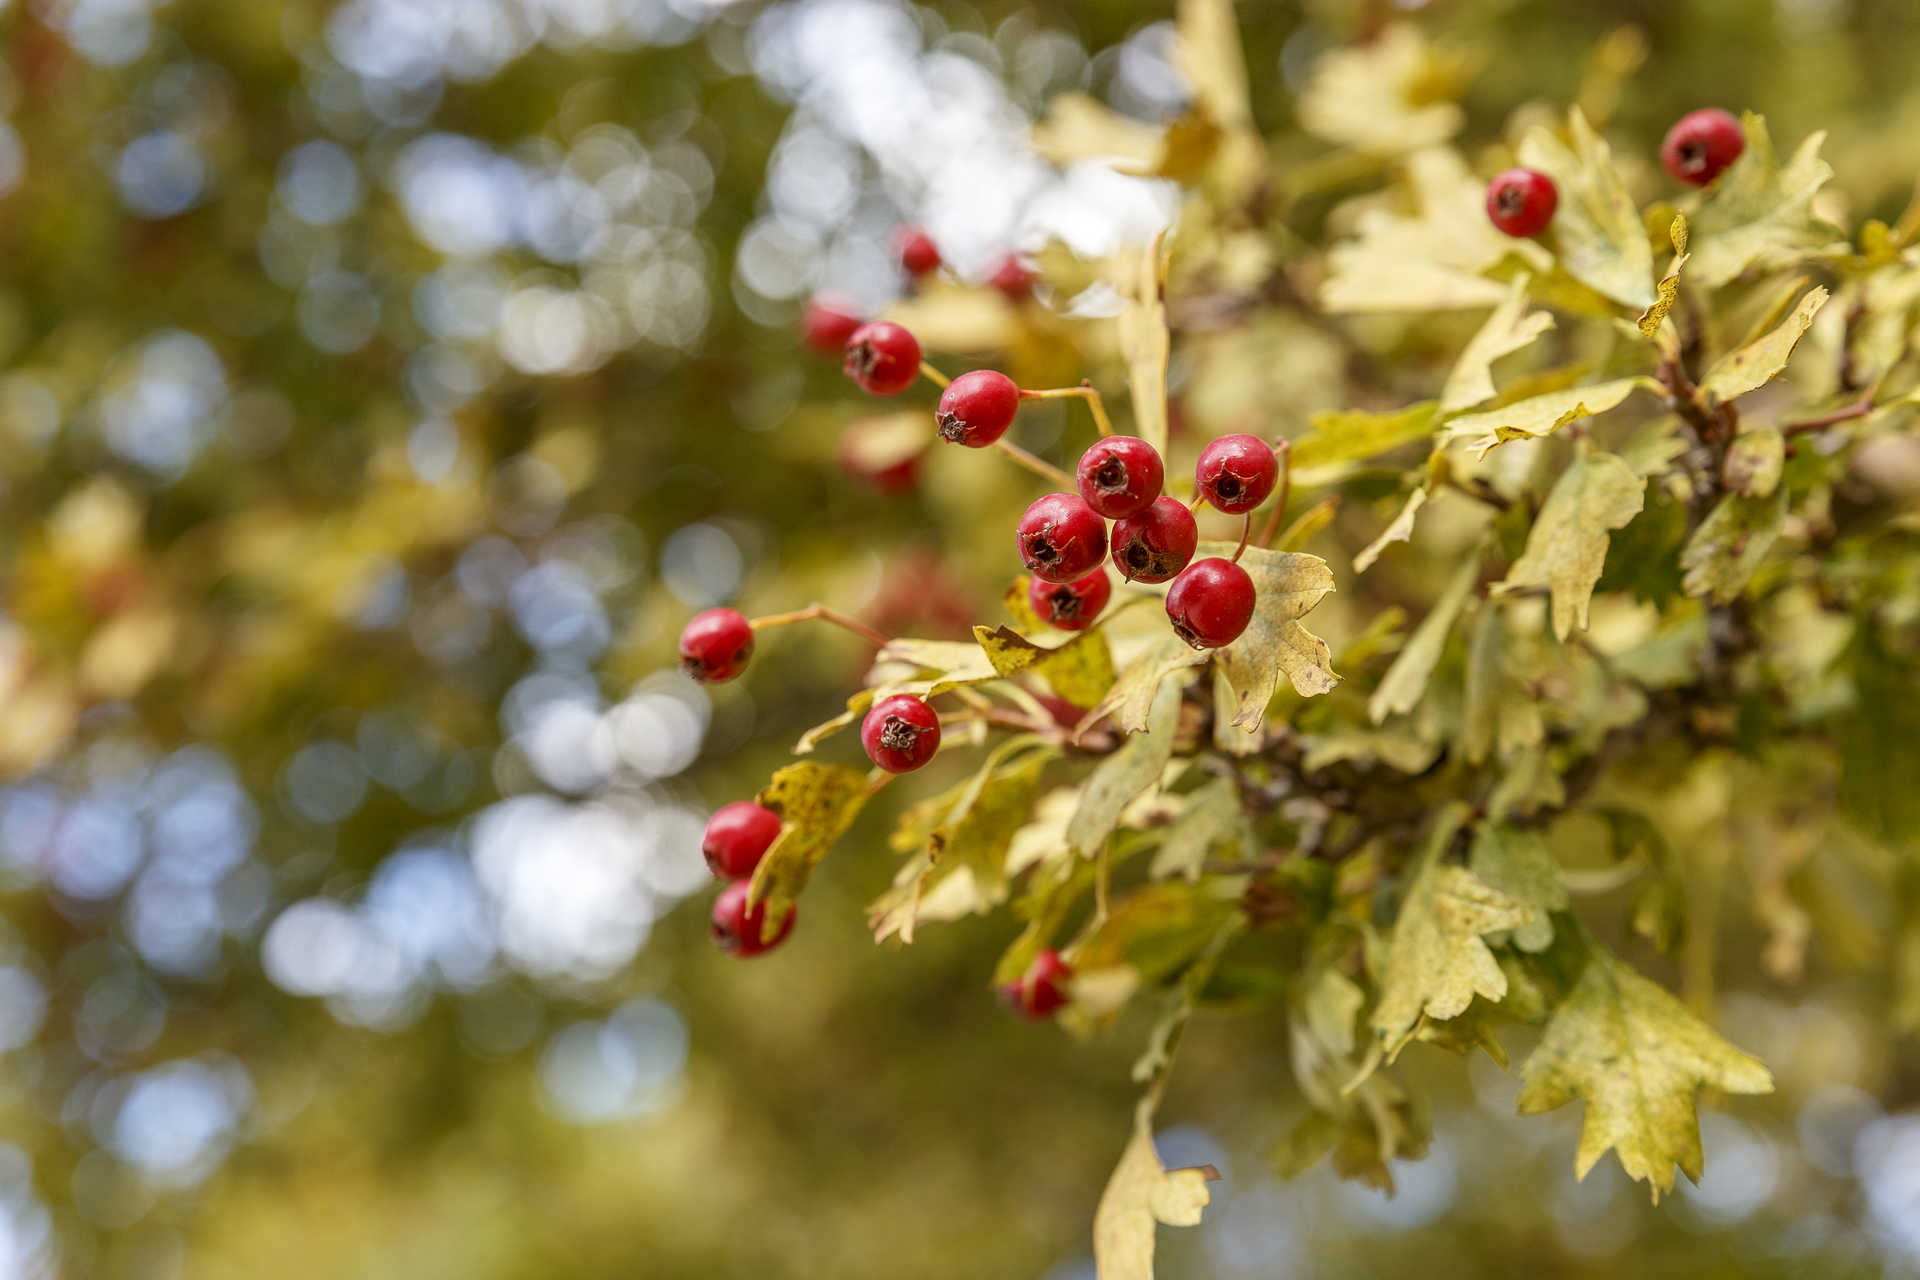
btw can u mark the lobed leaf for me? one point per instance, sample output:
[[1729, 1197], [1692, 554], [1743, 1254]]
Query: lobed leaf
[[1518, 864], [1377, 97], [1133, 694], [1597, 234], [1541, 415], [1758, 214], [1287, 585], [1139, 1196], [1080, 670], [1567, 547]]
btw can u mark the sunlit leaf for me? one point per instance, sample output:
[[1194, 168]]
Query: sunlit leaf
[[1510, 328], [1377, 96], [1352, 435], [1567, 546], [1145, 343], [1079, 670], [1141, 1195], [1141, 677], [1760, 214], [1540, 415], [1667, 290], [1596, 233], [1287, 585]]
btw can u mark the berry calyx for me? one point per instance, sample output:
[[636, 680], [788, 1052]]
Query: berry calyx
[[1157, 543], [916, 250], [882, 358], [737, 836], [900, 733], [1120, 476], [827, 321], [1521, 202], [1061, 538], [1236, 473], [1041, 991], [1012, 279], [1070, 606], [715, 645], [1211, 603], [1701, 144], [739, 929], [977, 408]]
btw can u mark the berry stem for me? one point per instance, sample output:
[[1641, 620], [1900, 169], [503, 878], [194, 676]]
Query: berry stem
[[934, 376], [1085, 391], [822, 613], [1246, 528], [1283, 452], [1036, 465], [1199, 501]]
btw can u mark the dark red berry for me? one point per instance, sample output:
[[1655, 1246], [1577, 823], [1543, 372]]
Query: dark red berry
[[882, 358], [977, 408], [1521, 202], [1157, 543], [1012, 278], [1211, 603], [1061, 538], [827, 321], [737, 835], [1120, 476], [918, 254], [1701, 144], [715, 645], [738, 928], [900, 733], [1236, 473], [1070, 606], [1041, 991]]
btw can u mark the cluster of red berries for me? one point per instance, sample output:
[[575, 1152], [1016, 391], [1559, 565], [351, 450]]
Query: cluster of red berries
[[1696, 150]]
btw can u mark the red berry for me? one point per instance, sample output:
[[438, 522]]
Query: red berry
[[738, 928], [1157, 543], [1120, 476], [1236, 473], [737, 835], [1521, 202], [1070, 606], [918, 254], [900, 733], [1012, 278], [1061, 538], [1042, 989], [1701, 144], [1211, 603], [827, 321], [715, 645], [977, 408], [882, 358]]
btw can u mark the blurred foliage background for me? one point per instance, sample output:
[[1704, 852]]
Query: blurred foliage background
[[382, 383]]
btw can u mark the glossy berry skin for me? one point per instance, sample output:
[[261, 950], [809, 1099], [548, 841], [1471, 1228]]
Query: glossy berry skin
[[900, 733], [737, 928], [737, 836], [1521, 202], [882, 358], [1236, 473], [1012, 279], [716, 645], [1701, 144], [1070, 606], [1041, 991], [1061, 538], [977, 408], [918, 254], [1211, 603], [827, 321], [1157, 543], [1120, 476]]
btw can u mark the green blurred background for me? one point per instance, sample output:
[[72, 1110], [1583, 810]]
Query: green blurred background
[[382, 383]]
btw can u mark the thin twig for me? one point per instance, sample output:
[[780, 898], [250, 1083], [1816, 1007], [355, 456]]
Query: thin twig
[[822, 613], [1858, 409], [1246, 528], [1085, 391], [1036, 465]]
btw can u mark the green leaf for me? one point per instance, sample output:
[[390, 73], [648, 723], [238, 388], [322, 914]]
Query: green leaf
[[1120, 778], [1635, 1056], [1080, 670], [1436, 963], [1597, 233], [1730, 544], [1399, 530], [1144, 342], [1406, 680], [1518, 864], [1759, 214], [1755, 462], [816, 803], [1567, 546], [1351, 435], [1156, 928], [1139, 1196], [1761, 360], [1141, 677], [1213, 817], [1510, 328], [1500, 713], [1287, 585], [1540, 415]]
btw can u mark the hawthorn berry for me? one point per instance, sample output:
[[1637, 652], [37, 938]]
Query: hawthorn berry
[[1120, 476], [1061, 538], [1012, 279], [827, 321], [900, 733], [737, 928], [1157, 543], [736, 837], [1236, 473], [1070, 606], [1701, 144], [882, 358], [1211, 603], [1521, 202], [916, 250], [715, 645], [1042, 990], [977, 408]]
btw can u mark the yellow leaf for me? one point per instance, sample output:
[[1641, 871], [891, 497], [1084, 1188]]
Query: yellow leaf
[[1123, 776], [1567, 547], [1434, 260], [1378, 97], [1758, 214], [1400, 530], [1406, 680], [1509, 328], [816, 803], [1350, 435], [1145, 343], [1139, 1196], [1730, 543], [1287, 585], [1540, 415], [1140, 679], [1761, 360]]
